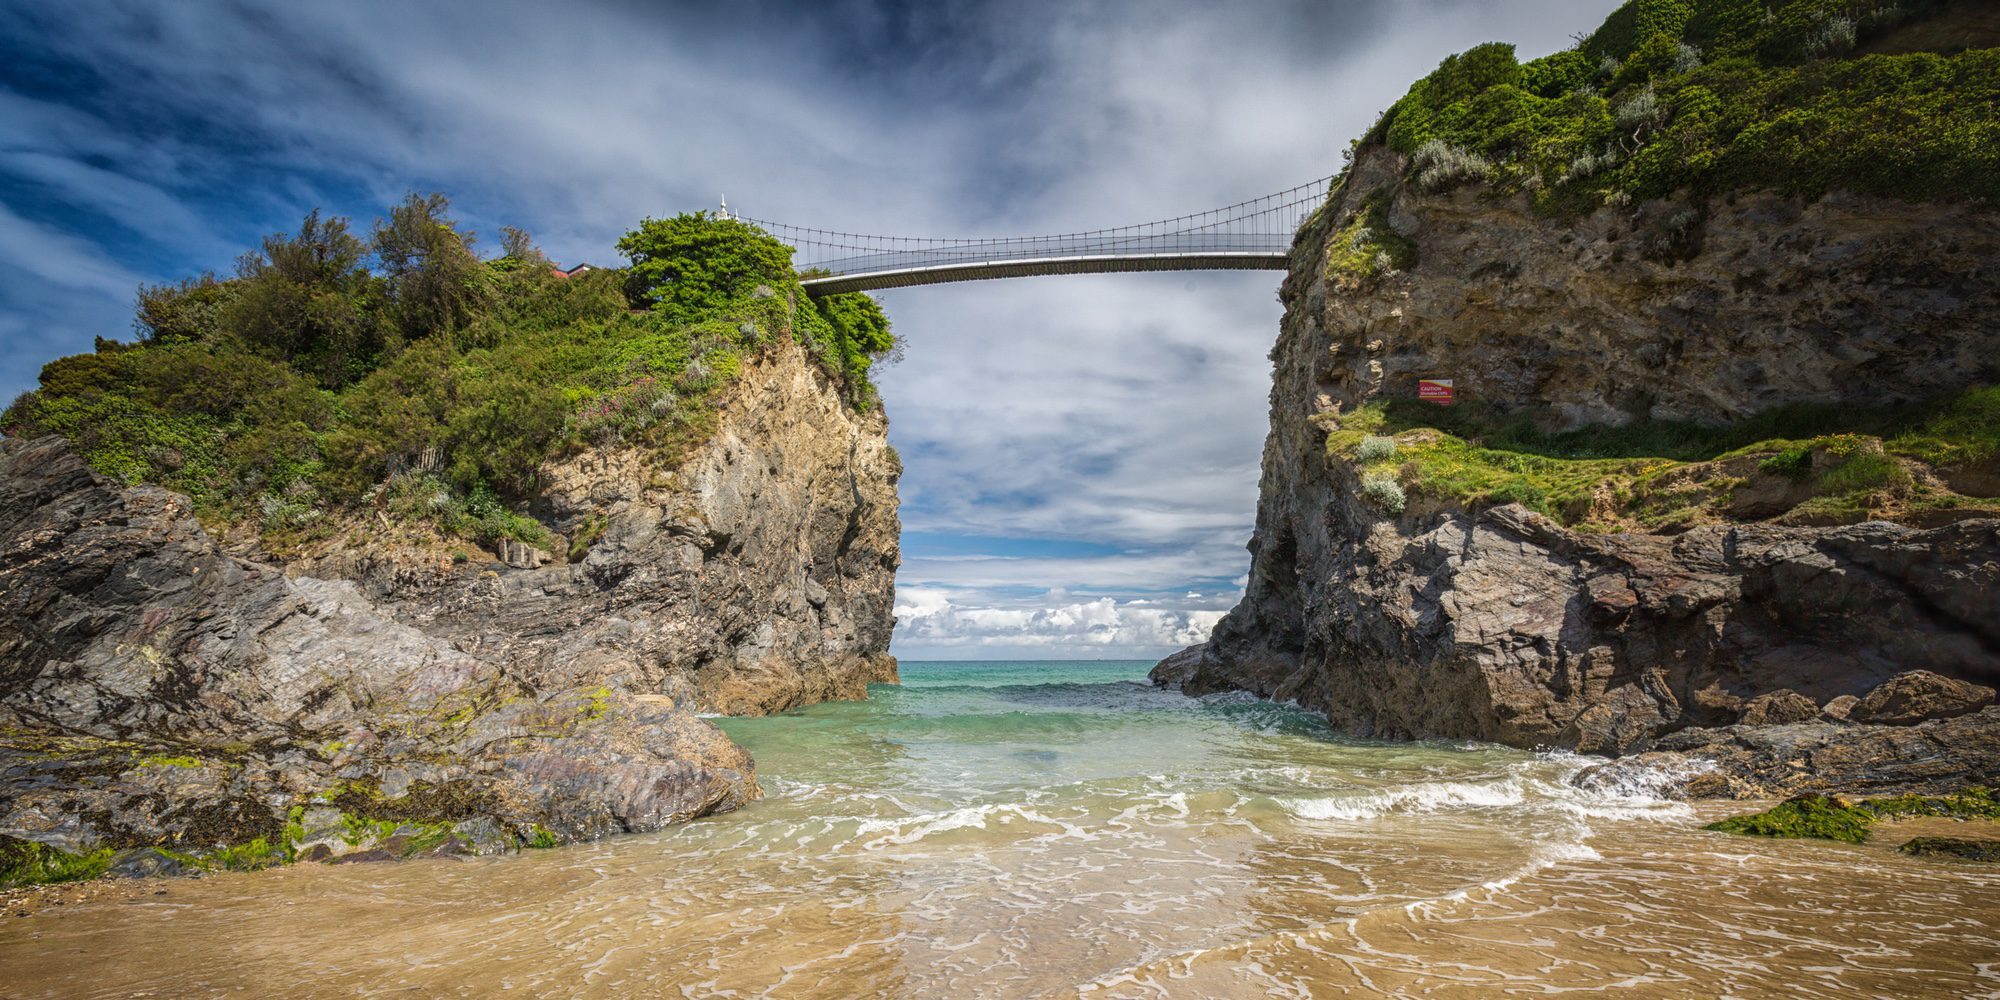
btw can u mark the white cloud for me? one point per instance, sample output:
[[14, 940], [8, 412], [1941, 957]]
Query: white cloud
[[933, 626]]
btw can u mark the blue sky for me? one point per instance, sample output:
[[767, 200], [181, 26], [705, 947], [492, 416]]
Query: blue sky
[[1081, 451]]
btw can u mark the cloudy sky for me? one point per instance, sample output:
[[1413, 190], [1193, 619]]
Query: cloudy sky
[[1081, 451]]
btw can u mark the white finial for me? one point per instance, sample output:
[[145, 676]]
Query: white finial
[[725, 206]]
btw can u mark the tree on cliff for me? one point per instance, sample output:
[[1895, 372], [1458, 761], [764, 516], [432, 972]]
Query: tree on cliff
[[692, 264], [436, 284], [307, 300]]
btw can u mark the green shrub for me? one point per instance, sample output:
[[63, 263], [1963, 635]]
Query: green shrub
[[308, 384], [309, 301], [1367, 248], [1712, 96], [1794, 462], [585, 536], [1375, 448], [1863, 472], [189, 311], [1441, 166], [691, 266], [433, 282], [1385, 493]]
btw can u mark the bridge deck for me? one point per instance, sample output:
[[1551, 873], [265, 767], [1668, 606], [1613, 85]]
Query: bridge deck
[[937, 274]]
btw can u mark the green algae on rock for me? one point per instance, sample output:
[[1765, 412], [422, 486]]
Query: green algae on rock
[[26, 862], [1819, 817], [1825, 817], [1961, 848]]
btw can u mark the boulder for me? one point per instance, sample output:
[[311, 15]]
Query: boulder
[[1778, 708], [1175, 670], [144, 862], [1920, 695]]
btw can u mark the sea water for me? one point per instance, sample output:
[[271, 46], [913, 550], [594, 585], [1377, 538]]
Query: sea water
[[1061, 828]]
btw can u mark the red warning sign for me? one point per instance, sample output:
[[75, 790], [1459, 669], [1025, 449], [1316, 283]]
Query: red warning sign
[[1435, 390]]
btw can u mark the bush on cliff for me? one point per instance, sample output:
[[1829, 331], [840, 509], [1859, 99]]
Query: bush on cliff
[[1712, 96], [407, 374]]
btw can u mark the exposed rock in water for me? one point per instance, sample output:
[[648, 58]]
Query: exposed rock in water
[[1176, 670], [158, 691], [1497, 623], [1961, 848], [1765, 762]]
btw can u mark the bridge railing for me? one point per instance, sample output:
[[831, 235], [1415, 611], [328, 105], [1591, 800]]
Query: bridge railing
[[1261, 225]]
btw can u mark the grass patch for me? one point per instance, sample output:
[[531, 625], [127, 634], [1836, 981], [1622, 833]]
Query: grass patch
[[1862, 473], [1852, 463], [1368, 248], [1713, 96]]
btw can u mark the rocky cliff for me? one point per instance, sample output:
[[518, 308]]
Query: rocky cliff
[[383, 692], [755, 575], [1404, 601]]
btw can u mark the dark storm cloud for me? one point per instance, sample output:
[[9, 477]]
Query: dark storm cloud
[[147, 141]]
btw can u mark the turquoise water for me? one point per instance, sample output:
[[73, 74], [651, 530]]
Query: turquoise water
[[1062, 829]]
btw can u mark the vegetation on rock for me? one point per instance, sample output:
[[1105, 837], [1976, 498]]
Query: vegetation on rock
[[1823, 817], [1818, 817], [1368, 248], [407, 375], [25, 862], [1709, 96], [1962, 848], [1837, 464]]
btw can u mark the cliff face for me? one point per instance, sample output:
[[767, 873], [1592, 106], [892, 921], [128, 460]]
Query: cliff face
[[1706, 310], [385, 694], [755, 576], [1474, 620]]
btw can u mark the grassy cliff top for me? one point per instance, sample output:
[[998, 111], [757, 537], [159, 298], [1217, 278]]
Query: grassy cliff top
[[1808, 465], [406, 374], [1888, 97]]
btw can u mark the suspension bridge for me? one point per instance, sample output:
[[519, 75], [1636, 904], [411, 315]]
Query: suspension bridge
[[1249, 235]]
